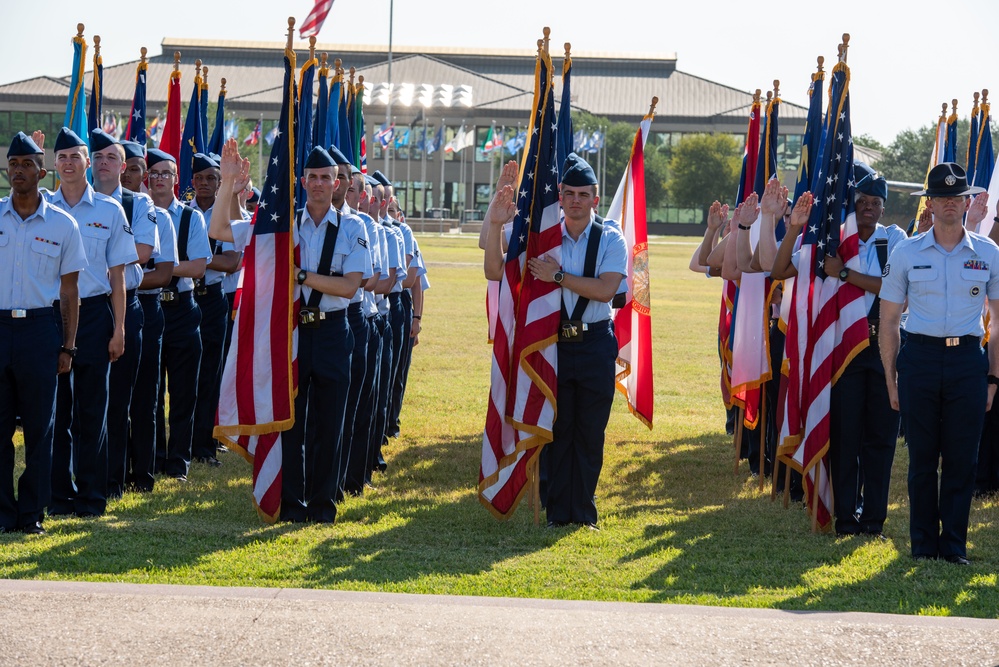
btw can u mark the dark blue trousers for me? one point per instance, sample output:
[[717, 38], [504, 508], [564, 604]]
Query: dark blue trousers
[[214, 311], [230, 299], [863, 432], [141, 454], [308, 460], [406, 356], [942, 395], [80, 445], [987, 475], [585, 395], [400, 324], [29, 357], [121, 384], [364, 422], [355, 442], [179, 368], [390, 334]]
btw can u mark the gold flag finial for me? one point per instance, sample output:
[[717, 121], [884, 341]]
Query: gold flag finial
[[142, 55], [820, 62], [953, 104], [985, 96], [360, 84], [176, 61], [291, 32], [844, 47], [97, 46], [547, 31], [652, 107], [568, 47], [776, 87], [222, 88], [756, 96], [79, 30], [312, 47]]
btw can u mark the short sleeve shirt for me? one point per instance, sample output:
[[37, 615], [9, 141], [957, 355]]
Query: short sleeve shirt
[[946, 290], [197, 240], [145, 230], [167, 252], [612, 256], [349, 254], [107, 238], [35, 253]]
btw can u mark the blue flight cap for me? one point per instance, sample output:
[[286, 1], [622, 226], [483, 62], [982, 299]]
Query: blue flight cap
[[338, 156], [155, 156], [319, 158], [371, 180], [22, 145], [133, 149], [68, 139], [869, 182], [381, 178], [202, 162], [254, 197], [355, 170], [576, 172], [216, 158], [99, 140]]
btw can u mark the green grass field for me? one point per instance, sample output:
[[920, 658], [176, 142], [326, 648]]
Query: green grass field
[[677, 524]]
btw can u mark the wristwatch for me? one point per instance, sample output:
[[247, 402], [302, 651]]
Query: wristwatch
[[844, 274], [71, 351], [992, 379], [558, 276], [301, 277]]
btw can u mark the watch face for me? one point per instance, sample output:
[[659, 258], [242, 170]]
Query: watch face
[[844, 274]]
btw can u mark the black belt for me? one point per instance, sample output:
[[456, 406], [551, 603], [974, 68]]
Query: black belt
[[873, 327], [149, 296], [26, 313], [94, 300], [171, 298], [953, 341], [130, 294], [575, 331], [311, 317], [394, 296], [203, 290], [354, 308]]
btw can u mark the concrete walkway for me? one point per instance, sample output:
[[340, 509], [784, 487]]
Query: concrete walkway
[[55, 623]]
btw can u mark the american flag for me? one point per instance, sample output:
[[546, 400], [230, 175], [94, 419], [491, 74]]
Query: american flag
[[136, 130], [260, 379], [829, 316], [633, 322], [522, 395], [313, 23]]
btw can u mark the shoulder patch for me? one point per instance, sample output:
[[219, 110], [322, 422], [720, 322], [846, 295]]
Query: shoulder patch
[[886, 270], [151, 216], [362, 242], [128, 229]]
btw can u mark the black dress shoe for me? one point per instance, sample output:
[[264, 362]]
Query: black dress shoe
[[209, 461], [33, 528], [957, 560], [923, 557]]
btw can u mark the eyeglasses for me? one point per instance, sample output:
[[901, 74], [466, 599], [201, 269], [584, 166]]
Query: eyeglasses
[[162, 174]]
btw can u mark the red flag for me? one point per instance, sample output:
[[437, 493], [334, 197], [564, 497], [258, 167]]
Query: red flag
[[633, 322], [313, 23], [260, 379], [172, 130], [524, 383]]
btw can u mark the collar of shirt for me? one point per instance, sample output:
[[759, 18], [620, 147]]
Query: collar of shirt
[[88, 197], [7, 205], [582, 237], [929, 239], [329, 217]]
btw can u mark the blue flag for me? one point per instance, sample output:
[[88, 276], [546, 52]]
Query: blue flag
[[204, 110], [192, 142], [950, 142], [985, 154], [303, 127], [333, 113], [564, 138], [346, 144], [220, 131], [321, 128], [96, 92], [76, 102]]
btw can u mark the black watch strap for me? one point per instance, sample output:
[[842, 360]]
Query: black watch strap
[[992, 379], [71, 351]]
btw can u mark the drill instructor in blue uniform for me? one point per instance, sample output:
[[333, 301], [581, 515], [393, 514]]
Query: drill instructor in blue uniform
[[941, 379]]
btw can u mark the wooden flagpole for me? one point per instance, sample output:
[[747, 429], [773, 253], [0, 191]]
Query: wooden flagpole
[[763, 433]]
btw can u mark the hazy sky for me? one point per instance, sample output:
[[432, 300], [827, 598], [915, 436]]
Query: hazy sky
[[901, 69]]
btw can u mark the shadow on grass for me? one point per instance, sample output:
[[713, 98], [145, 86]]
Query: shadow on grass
[[725, 542]]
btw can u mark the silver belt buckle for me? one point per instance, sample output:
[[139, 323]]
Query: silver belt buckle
[[952, 342], [18, 313]]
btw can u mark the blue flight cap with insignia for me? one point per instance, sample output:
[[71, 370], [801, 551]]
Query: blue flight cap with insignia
[[254, 196], [319, 158], [576, 172], [947, 179], [22, 145], [67, 139], [371, 180], [99, 140], [869, 181], [133, 149], [381, 178], [202, 162], [155, 156], [338, 156], [216, 158]]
